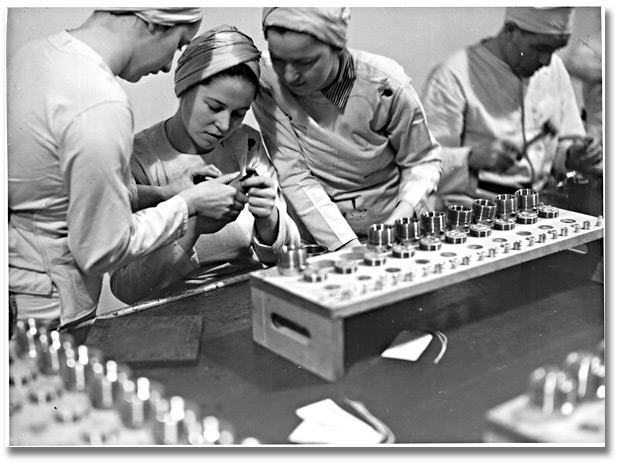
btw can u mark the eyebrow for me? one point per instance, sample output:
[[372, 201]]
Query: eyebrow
[[301, 58], [215, 100]]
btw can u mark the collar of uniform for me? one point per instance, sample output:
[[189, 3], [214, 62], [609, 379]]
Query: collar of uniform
[[338, 92]]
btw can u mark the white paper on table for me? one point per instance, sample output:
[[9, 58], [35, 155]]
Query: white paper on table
[[408, 346], [324, 422]]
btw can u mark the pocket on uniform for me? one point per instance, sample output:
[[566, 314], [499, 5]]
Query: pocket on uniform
[[23, 281]]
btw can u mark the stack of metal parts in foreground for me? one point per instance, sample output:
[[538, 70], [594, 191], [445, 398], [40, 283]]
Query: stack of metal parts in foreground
[[63, 394], [563, 404]]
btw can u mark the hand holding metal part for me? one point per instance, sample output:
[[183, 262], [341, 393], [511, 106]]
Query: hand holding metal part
[[493, 156], [548, 129], [586, 156], [202, 174]]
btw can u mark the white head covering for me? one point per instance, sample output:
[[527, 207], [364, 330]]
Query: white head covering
[[552, 21], [171, 16], [329, 25]]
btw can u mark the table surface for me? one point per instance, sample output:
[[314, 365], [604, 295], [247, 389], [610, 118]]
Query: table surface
[[500, 327]]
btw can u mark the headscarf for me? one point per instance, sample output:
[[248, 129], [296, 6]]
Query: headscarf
[[212, 52], [552, 21], [329, 25], [171, 16]]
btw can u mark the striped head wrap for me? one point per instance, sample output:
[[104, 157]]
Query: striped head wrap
[[212, 52]]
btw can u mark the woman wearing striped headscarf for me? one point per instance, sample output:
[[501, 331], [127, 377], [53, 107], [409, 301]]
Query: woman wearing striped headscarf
[[216, 81]]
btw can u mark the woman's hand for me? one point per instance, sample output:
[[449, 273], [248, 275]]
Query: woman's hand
[[191, 177], [261, 193], [215, 198]]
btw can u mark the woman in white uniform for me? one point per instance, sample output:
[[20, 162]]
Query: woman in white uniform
[[216, 81], [344, 128]]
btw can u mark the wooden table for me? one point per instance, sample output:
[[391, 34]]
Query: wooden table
[[500, 327]]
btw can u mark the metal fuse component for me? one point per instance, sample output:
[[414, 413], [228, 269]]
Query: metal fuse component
[[314, 250], [78, 373], [552, 391], [217, 431], [403, 250], [527, 200], [19, 345], [433, 224], [430, 243], [137, 401], [72, 407], [407, 230], [32, 338], [101, 390], [458, 217], [526, 218], [176, 423], [548, 211], [588, 372], [291, 260], [52, 357], [22, 372], [375, 258], [381, 237], [455, 236], [46, 389], [483, 211], [503, 224], [104, 432], [317, 271], [479, 230], [506, 206], [343, 266]]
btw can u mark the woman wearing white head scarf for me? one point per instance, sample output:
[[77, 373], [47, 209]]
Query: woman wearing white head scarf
[[70, 130], [344, 128], [216, 81]]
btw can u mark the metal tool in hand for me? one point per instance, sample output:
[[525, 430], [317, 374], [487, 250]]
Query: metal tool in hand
[[547, 129]]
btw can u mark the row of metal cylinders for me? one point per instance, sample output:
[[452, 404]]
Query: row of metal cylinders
[[560, 389], [432, 224], [457, 217], [46, 364]]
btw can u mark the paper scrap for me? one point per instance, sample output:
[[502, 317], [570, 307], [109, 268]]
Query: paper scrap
[[408, 346], [324, 422]]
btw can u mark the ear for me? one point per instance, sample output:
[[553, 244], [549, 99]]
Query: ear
[[510, 29], [155, 29]]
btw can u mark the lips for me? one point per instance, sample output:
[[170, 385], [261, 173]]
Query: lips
[[295, 85]]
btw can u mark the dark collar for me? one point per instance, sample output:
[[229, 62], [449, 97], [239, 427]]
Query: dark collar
[[338, 92]]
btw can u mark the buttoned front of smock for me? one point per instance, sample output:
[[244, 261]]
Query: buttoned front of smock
[[342, 170]]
